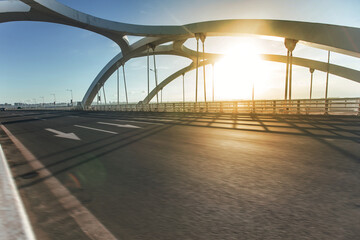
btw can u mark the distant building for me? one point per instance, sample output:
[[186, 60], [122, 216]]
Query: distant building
[[5, 104]]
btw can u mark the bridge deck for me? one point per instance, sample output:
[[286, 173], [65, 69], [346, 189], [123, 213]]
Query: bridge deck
[[193, 176]]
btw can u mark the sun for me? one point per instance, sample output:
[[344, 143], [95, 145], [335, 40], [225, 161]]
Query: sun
[[237, 72]]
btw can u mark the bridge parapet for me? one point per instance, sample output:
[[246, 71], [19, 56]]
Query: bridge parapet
[[333, 106]]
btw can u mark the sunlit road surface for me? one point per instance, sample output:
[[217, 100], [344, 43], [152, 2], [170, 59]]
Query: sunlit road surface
[[193, 176]]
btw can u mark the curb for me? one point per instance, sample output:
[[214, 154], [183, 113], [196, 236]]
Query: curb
[[14, 222]]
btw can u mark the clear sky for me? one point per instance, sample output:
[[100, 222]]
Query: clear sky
[[40, 59]]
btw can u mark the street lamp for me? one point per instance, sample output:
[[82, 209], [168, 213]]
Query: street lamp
[[42, 100], [71, 101], [53, 94]]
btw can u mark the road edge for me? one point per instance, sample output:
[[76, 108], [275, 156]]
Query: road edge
[[88, 223], [21, 227]]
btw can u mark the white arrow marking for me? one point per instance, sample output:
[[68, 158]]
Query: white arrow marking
[[119, 125], [62, 134]]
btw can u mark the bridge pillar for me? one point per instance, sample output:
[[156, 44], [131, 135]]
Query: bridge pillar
[[213, 81], [290, 44], [161, 90], [117, 85], [183, 93], [197, 36], [155, 71], [202, 38], [311, 80], [98, 94], [148, 70], [183, 83], [103, 87], [252, 97], [126, 94], [327, 85]]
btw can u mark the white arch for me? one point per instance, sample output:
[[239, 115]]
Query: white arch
[[337, 70]]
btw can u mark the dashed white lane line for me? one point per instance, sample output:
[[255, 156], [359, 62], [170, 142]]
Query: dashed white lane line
[[96, 129], [89, 224], [122, 120], [14, 222], [156, 119], [119, 125], [42, 119]]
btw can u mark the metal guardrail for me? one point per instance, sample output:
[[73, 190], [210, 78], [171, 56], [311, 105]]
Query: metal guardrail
[[334, 106]]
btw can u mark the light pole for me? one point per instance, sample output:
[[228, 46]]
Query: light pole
[[71, 101], [53, 94], [43, 100]]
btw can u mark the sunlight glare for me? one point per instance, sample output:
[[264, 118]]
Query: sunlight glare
[[238, 70]]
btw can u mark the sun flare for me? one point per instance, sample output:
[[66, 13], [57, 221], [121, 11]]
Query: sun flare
[[237, 71]]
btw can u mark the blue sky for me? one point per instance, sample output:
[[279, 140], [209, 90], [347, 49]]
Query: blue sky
[[39, 59]]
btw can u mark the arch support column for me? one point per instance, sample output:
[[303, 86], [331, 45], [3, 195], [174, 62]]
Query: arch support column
[[155, 72], [197, 37], [126, 94], [311, 81], [327, 85], [290, 45], [202, 38]]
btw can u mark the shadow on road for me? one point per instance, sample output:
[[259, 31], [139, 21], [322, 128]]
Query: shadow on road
[[320, 128]]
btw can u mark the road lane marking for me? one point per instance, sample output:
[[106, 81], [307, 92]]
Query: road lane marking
[[88, 223], [95, 129], [139, 122], [63, 135], [155, 119], [14, 222], [119, 125], [42, 119]]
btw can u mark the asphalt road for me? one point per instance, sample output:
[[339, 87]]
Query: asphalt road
[[193, 176]]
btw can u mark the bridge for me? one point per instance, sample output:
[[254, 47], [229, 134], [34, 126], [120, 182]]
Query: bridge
[[169, 40], [283, 168]]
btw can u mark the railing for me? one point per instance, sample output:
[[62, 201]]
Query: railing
[[338, 106]]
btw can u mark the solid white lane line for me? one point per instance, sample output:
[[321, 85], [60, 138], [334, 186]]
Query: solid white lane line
[[119, 125], [89, 224], [139, 122], [14, 222], [96, 129]]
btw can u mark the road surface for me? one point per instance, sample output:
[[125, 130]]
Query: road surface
[[191, 176]]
